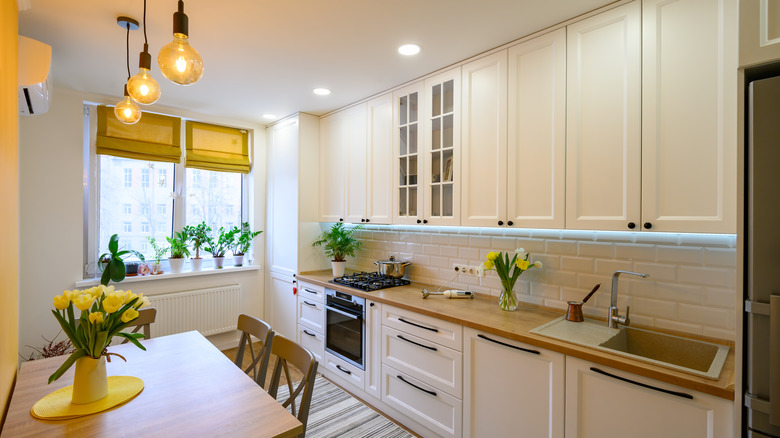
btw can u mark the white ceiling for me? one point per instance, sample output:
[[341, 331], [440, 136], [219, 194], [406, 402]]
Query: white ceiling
[[266, 57]]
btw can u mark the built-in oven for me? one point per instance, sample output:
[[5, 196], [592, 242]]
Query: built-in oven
[[345, 326]]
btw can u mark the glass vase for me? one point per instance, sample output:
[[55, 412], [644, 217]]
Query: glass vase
[[90, 382], [507, 300]]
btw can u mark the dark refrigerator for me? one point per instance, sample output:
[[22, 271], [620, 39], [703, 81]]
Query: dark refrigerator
[[762, 261]]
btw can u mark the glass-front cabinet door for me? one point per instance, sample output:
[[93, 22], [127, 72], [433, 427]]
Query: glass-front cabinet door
[[442, 149], [408, 155]]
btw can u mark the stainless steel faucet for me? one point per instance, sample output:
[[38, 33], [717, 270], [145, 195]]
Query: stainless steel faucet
[[614, 314]]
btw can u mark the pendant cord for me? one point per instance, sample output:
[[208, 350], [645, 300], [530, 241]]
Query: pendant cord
[[145, 40], [127, 50]]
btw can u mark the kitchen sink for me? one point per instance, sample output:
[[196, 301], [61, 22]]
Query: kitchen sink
[[699, 358]]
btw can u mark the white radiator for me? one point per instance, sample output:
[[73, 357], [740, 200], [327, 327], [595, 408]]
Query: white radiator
[[209, 311]]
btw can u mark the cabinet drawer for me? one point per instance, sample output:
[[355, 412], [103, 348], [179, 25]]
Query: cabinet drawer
[[431, 329], [438, 366], [344, 372], [434, 409], [312, 340], [311, 314], [311, 292]]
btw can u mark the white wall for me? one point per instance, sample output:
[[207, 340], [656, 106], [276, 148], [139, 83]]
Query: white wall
[[692, 284], [51, 233]]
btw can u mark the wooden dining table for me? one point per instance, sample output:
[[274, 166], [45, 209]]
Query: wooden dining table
[[191, 389]]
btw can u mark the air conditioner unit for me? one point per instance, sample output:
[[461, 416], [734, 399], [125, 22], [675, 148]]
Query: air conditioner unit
[[34, 76]]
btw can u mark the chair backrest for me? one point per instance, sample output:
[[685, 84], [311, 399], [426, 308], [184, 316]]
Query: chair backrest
[[258, 367], [287, 351], [144, 321]]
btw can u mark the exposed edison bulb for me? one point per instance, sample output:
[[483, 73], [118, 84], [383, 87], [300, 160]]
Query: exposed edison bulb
[[127, 111], [143, 88], [180, 62]]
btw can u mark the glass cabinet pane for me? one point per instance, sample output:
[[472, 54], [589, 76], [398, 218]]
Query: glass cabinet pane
[[402, 140], [448, 96], [447, 200], [413, 138], [403, 172], [412, 108], [436, 134], [402, 210], [435, 201], [412, 170], [412, 201], [447, 132], [436, 101], [402, 110], [447, 175], [436, 167]]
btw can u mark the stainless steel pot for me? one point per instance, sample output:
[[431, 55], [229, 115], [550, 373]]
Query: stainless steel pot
[[392, 267]]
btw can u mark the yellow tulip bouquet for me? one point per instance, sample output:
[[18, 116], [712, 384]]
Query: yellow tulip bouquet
[[105, 312], [509, 271]]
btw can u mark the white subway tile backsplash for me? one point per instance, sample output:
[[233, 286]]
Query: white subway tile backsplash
[[692, 284]]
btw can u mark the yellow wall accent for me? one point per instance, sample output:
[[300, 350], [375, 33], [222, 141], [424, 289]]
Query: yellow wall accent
[[9, 199]]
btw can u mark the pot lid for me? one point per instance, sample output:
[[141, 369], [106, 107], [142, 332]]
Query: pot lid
[[392, 261]]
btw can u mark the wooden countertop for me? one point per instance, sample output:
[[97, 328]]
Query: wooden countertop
[[483, 313]]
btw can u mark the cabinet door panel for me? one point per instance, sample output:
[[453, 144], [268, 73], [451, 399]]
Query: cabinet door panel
[[408, 156], [379, 123], [355, 162], [603, 132], [483, 194], [283, 186], [333, 138], [689, 113], [312, 340], [536, 158], [282, 306]]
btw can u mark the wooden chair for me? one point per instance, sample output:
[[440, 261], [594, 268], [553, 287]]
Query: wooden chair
[[250, 326], [144, 321], [287, 351]]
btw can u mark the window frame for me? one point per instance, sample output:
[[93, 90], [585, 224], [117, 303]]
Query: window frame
[[91, 184]]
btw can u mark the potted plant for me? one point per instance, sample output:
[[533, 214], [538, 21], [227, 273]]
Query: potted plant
[[243, 240], [178, 250], [198, 235], [338, 243], [113, 263], [159, 252], [224, 241]]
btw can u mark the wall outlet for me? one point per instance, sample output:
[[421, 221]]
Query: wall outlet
[[474, 271]]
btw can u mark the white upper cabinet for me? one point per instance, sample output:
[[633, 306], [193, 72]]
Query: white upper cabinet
[[441, 176], [354, 165], [689, 116], [379, 176], [407, 155], [484, 188], [536, 179], [759, 31], [333, 175], [603, 133]]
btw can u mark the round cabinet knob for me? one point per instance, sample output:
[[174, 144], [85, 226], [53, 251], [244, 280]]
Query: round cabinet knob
[[368, 220], [631, 225], [362, 220], [341, 219], [647, 225], [371, 304], [500, 223], [510, 223], [419, 221], [425, 221]]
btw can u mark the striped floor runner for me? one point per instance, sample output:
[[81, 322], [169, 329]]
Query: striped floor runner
[[335, 413]]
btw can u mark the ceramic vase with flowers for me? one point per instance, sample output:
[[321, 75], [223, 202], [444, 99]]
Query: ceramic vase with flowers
[[508, 272], [105, 312]]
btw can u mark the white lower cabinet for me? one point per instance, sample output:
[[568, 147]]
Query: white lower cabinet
[[373, 348], [603, 402], [430, 406], [313, 341], [311, 318], [346, 374], [511, 388]]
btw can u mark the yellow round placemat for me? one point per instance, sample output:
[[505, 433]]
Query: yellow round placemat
[[57, 405]]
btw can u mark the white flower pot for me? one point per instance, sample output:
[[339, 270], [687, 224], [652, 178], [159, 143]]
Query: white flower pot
[[90, 382], [219, 262], [338, 268], [238, 260], [176, 265], [197, 264]]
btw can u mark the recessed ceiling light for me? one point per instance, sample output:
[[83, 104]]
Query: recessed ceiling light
[[321, 91], [269, 116], [409, 49]]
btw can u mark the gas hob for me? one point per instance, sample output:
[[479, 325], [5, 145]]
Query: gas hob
[[369, 281]]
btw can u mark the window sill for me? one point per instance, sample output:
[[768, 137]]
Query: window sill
[[89, 282]]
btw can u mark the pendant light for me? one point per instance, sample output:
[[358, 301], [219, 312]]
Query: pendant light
[[178, 61], [142, 87], [126, 110]]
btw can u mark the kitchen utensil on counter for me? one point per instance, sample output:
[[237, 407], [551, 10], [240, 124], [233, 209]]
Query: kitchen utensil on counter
[[392, 267], [452, 293], [574, 311]]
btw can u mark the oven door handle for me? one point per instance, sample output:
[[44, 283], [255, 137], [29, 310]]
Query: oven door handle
[[348, 315]]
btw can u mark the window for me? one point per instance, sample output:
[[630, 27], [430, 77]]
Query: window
[[127, 227], [145, 177], [162, 208], [145, 227], [208, 195], [128, 178], [145, 210], [163, 228], [127, 209], [162, 178]]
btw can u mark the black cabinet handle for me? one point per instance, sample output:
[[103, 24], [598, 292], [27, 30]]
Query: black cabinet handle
[[631, 225], [417, 343], [508, 345], [510, 223], [425, 221], [648, 225], [341, 219], [309, 304], [313, 292], [371, 304], [419, 221], [343, 370], [368, 220], [433, 393], [643, 385], [309, 333], [418, 325], [500, 223], [362, 220]]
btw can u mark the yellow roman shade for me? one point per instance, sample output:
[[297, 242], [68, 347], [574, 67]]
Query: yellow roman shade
[[155, 137], [213, 147]]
